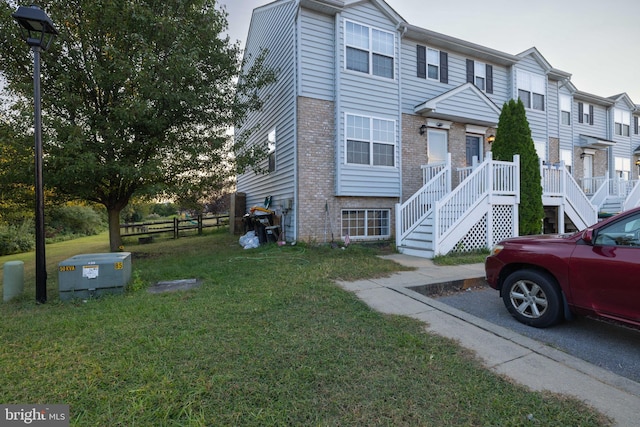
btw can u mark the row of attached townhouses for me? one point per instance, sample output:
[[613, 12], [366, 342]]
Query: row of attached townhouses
[[378, 129]]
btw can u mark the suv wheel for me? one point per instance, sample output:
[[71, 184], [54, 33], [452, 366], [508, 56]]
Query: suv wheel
[[533, 298]]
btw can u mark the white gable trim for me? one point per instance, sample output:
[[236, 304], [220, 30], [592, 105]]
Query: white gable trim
[[432, 104]]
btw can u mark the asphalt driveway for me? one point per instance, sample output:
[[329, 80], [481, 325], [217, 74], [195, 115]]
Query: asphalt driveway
[[609, 346]]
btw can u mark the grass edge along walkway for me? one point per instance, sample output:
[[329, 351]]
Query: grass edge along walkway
[[268, 339]]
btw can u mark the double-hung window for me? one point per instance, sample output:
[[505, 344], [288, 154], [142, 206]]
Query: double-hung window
[[585, 113], [432, 64], [622, 120], [623, 167], [370, 141], [480, 74], [369, 50], [565, 110], [531, 90]]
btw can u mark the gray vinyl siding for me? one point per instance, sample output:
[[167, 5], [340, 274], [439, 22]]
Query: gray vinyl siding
[[366, 95], [600, 118], [273, 28], [537, 119], [467, 104], [566, 132], [417, 90], [317, 55], [622, 148], [635, 139]]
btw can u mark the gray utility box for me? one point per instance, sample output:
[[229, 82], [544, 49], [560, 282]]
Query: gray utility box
[[91, 275]]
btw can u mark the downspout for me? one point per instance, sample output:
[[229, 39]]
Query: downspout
[[404, 31], [336, 100], [296, 93], [400, 157]]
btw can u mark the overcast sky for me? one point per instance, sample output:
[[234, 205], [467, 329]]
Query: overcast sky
[[597, 41]]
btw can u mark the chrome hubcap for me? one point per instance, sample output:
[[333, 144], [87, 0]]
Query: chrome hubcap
[[528, 299]]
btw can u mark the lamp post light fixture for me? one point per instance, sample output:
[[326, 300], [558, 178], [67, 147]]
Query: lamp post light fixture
[[38, 31]]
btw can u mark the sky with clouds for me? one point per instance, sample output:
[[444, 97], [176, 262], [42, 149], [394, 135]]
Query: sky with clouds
[[597, 41]]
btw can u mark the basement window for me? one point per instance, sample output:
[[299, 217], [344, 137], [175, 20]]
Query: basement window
[[366, 223]]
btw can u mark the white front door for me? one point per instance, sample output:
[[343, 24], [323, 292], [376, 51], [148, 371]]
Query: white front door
[[587, 167]]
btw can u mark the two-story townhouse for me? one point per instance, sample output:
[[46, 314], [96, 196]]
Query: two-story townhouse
[[621, 115], [364, 100], [635, 141], [333, 118], [591, 138]]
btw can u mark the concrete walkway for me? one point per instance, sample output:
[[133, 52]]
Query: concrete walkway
[[503, 351]]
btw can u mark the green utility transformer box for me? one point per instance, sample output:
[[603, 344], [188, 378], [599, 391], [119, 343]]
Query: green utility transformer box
[[91, 275]]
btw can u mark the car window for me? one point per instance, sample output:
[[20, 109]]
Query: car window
[[625, 232]]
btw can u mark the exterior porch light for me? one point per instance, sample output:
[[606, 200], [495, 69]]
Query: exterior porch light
[[491, 138], [423, 129], [638, 165], [38, 31]]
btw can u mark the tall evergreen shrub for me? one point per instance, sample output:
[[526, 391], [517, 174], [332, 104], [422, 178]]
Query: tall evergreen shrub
[[514, 137]]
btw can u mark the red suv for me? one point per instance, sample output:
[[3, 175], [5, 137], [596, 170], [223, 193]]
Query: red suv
[[543, 279]]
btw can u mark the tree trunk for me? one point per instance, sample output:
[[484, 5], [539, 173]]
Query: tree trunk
[[115, 240]]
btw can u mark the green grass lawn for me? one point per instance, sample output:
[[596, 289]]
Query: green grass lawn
[[267, 339]]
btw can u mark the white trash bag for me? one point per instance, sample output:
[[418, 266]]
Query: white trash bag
[[249, 240]]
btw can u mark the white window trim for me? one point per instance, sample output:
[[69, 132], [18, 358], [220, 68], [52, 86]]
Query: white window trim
[[437, 78], [586, 117], [622, 117], [366, 221], [565, 107], [372, 141], [480, 70], [623, 167], [370, 50], [534, 84]]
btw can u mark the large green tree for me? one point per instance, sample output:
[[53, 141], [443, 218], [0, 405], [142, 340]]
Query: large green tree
[[16, 172], [514, 137], [138, 96]]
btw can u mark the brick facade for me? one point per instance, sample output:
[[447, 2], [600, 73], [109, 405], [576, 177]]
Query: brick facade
[[319, 210], [554, 150], [316, 165], [414, 154]]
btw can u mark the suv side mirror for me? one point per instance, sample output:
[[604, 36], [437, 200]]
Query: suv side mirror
[[587, 236]]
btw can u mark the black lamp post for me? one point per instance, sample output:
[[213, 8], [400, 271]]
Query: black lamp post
[[38, 31]]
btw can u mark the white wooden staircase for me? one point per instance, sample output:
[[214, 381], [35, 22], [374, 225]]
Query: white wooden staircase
[[481, 210]]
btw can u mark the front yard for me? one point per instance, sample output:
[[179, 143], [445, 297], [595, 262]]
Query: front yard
[[267, 339]]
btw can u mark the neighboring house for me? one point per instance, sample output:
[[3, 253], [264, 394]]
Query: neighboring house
[[367, 106]]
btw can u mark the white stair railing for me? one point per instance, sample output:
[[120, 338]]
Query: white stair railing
[[411, 213], [633, 197], [431, 170], [583, 207], [491, 177], [600, 195], [558, 182]]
